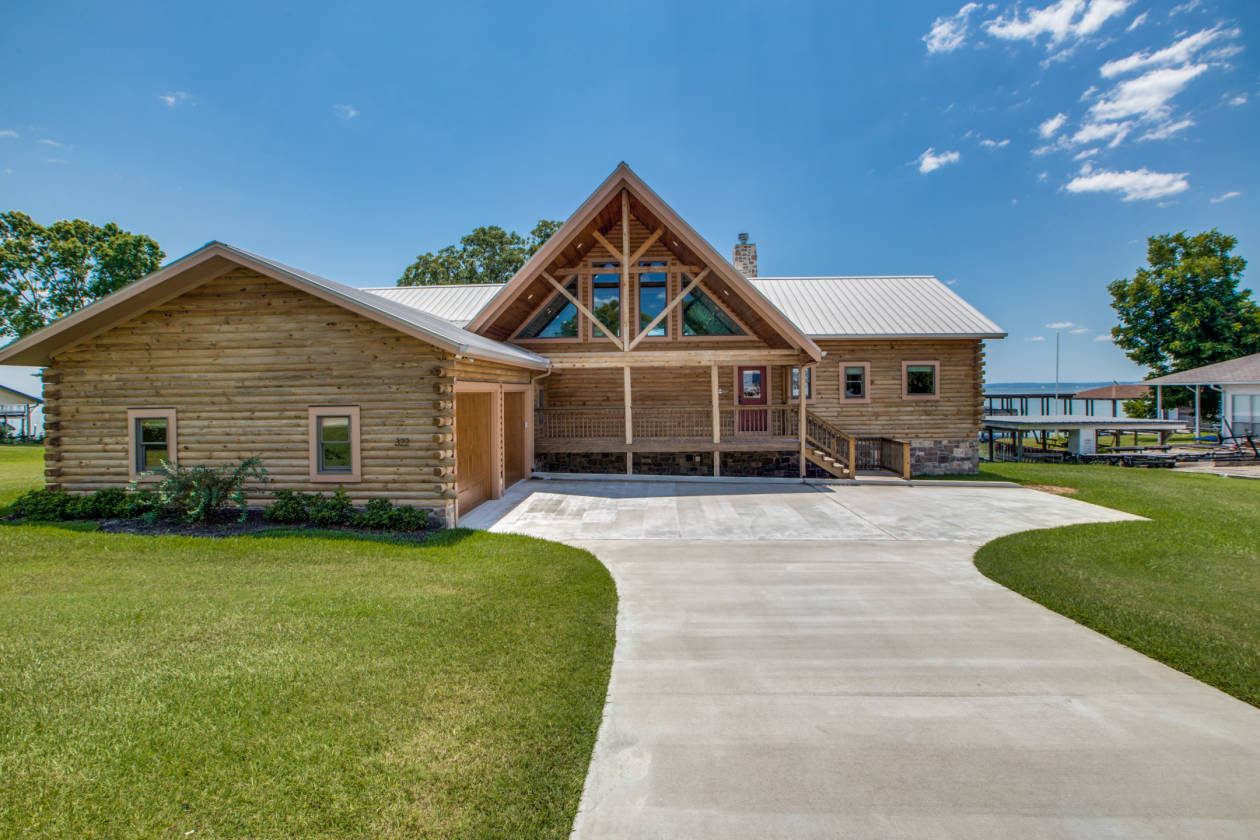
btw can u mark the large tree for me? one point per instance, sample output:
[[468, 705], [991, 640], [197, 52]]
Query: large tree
[[487, 255], [1184, 308], [49, 272]]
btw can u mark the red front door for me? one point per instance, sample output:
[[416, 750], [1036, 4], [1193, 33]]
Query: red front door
[[753, 388]]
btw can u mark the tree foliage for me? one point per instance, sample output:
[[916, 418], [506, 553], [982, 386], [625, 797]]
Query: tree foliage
[[487, 255], [49, 272], [1185, 309]]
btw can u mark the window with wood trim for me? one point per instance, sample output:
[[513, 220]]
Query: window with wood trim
[[606, 297], [794, 384], [558, 318], [855, 382], [653, 295], [151, 439], [920, 380], [334, 443], [702, 316]]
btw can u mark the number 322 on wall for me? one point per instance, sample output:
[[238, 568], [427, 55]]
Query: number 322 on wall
[[400, 442]]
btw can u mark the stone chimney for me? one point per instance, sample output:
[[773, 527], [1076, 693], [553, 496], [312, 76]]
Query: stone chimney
[[745, 258]]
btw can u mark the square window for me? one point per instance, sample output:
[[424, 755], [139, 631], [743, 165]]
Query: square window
[[855, 377], [920, 379], [150, 439]]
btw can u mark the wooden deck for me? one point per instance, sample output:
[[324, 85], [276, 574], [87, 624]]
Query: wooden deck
[[766, 443]]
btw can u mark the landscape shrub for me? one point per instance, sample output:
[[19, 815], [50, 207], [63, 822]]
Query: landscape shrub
[[380, 514], [289, 507], [199, 492], [139, 504], [331, 510], [42, 505]]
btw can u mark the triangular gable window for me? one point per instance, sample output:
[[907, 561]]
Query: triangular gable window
[[558, 319], [702, 316]]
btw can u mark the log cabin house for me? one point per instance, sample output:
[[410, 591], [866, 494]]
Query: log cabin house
[[625, 345]]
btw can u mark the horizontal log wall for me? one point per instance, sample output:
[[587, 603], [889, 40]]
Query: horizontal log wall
[[240, 359], [956, 414]]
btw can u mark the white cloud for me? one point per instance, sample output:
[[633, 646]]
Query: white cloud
[[1043, 176], [1037, 338], [949, 33], [346, 112], [1060, 21], [1089, 93], [8, 132], [1189, 6], [1134, 184], [929, 161], [1166, 130], [1240, 99], [1179, 53], [175, 97], [1051, 127], [1088, 153], [1225, 196], [1137, 21], [1102, 337], [994, 144], [1115, 132], [1147, 96], [54, 144], [1060, 325], [1079, 331]]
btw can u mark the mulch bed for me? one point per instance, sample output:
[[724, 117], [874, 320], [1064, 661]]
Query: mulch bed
[[253, 524]]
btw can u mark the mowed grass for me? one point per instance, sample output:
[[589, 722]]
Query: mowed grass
[[297, 685], [21, 468], [1183, 588]]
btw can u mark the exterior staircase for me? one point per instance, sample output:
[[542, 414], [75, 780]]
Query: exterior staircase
[[829, 448]]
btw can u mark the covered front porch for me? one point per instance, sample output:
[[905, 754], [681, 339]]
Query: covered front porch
[[731, 415]]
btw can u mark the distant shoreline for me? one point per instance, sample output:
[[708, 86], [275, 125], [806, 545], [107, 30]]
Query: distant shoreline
[[1045, 387]]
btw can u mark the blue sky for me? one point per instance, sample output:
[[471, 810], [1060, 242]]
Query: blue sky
[[1021, 152]]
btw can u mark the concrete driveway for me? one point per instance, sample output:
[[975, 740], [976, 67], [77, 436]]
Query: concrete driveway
[[809, 662]]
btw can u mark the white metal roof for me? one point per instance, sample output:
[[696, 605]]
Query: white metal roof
[[821, 307], [458, 304], [849, 307], [1245, 370]]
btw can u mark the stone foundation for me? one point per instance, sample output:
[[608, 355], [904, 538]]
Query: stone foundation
[[673, 463], [605, 463], [944, 456], [761, 464]]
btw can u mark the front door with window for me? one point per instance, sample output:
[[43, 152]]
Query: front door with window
[[753, 384]]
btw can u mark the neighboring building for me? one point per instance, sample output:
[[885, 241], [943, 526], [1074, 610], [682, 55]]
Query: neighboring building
[[15, 411], [626, 344], [1238, 380], [1114, 392]]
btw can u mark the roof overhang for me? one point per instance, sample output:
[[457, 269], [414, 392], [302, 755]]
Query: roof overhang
[[907, 336], [623, 177], [203, 265]]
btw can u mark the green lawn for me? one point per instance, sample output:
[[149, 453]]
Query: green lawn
[[21, 468], [296, 685], [1183, 588]]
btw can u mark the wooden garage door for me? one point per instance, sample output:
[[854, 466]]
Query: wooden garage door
[[514, 454], [474, 453]]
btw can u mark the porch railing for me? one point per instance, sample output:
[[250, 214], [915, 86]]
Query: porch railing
[[758, 421], [580, 423], [668, 422], [834, 444]]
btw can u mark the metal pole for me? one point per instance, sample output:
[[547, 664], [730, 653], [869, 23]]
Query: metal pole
[[1056, 365], [1159, 402], [1196, 412]]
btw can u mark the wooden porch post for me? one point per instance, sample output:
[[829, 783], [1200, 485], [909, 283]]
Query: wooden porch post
[[717, 404], [801, 389], [629, 417]]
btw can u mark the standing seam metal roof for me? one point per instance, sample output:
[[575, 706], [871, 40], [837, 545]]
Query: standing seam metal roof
[[819, 306]]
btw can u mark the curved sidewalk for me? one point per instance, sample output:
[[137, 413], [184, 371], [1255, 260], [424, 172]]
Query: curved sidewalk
[[827, 662]]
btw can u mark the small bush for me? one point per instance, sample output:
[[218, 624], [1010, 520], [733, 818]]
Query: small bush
[[139, 504], [109, 503], [290, 507], [380, 514], [199, 492], [331, 510], [42, 505]]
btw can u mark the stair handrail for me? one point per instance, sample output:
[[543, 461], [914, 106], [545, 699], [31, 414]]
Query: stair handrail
[[839, 446]]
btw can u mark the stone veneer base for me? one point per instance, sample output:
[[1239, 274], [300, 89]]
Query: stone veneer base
[[944, 456]]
